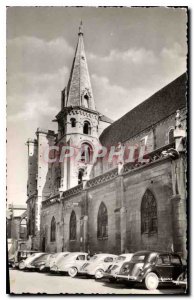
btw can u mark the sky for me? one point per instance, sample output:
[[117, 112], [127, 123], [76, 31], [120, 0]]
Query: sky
[[131, 54]]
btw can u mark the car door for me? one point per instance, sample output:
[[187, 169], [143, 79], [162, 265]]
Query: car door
[[164, 267], [80, 260], [177, 266]]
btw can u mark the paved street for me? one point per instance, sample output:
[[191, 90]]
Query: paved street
[[32, 282]]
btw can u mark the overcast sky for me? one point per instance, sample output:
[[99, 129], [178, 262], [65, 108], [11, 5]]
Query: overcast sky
[[131, 53]]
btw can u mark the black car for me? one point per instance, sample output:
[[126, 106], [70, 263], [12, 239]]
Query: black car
[[151, 268], [40, 262]]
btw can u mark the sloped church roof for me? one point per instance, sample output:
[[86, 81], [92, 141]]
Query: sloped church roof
[[159, 106]]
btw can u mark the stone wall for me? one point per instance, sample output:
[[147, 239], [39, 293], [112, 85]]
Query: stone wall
[[122, 196], [157, 178], [62, 213], [46, 217], [102, 193]]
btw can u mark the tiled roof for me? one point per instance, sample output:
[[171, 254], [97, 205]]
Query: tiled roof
[[105, 119], [159, 106]]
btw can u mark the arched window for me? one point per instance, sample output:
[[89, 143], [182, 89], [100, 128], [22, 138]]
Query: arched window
[[87, 128], [102, 222], [80, 175], [53, 230], [171, 136], [86, 101], [149, 223], [86, 153], [73, 122], [72, 227]]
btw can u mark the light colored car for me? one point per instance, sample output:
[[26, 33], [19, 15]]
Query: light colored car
[[40, 262], [71, 263], [98, 264], [26, 264], [53, 259], [114, 269]]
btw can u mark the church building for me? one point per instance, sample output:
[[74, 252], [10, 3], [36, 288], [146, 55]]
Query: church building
[[83, 199]]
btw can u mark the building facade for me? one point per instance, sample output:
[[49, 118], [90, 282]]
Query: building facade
[[16, 227], [80, 199]]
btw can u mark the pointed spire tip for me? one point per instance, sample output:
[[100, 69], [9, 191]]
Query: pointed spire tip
[[80, 28]]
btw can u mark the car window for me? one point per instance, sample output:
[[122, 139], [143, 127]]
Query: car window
[[138, 258], [159, 261], [108, 259], [120, 258], [42, 257], [165, 259], [175, 260], [126, 267], [33, 254], [80, 257]]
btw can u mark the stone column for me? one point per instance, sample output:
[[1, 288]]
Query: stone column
[[85, 233], [179, 218], [84, 213], [179, 226], [123, 217], [120, 202]]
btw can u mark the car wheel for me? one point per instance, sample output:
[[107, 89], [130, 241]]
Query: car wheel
[[72, 272], [99, 274], [21, 265], [41, 268], [13, 266], [151, 281]]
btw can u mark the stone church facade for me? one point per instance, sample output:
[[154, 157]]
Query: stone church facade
[[114, 206]]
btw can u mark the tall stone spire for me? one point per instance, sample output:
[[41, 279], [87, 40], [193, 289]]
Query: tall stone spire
[[79, 90]]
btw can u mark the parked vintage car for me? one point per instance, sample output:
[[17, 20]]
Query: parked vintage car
[[53, 259], [98, 264], [151, 268], [19, 256], [114, 269], [71, 263], [40, 262], [26, 263]]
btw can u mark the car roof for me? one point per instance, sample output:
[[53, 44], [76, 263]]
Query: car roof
[[147, 252], [105, 254], [78, 253], [126, 254], [30, 251], [44, 254]]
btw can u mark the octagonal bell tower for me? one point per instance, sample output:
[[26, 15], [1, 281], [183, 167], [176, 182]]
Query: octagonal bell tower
[[78, 121]]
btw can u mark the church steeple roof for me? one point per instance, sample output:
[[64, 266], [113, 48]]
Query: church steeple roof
[[79, 90]]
